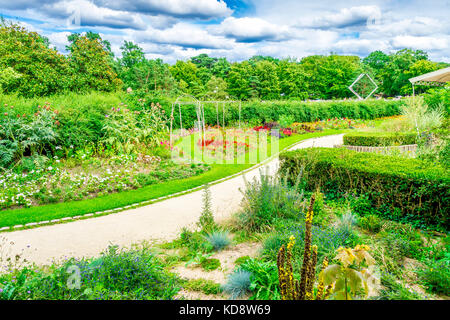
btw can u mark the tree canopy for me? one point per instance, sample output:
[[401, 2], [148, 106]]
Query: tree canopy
[[30, 67]]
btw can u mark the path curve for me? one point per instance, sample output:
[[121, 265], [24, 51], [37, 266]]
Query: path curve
[[161, 221]]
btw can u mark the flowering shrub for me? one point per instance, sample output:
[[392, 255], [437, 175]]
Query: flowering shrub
[[126, 130], [23, 134], [334, 123]]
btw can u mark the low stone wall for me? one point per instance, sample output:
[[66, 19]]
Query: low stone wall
[[406, 148]]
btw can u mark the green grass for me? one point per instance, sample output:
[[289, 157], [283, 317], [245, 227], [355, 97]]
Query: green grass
[[12, 217]]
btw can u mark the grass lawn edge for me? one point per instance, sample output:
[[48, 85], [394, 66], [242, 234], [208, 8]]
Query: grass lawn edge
[[26, 218]]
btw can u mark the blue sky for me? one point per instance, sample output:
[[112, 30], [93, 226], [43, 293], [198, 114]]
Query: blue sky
[[180, 29]]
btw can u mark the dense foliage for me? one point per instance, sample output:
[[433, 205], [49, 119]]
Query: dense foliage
[[399, 188], [31, 68], [379, 139], [34, 69], [115, 275]]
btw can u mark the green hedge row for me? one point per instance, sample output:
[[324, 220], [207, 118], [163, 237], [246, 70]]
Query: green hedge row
[[82, 116], [379, 139], [259, 112], [398, 188]]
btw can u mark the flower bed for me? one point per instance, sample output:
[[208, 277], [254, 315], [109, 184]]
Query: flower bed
[[91, 178]]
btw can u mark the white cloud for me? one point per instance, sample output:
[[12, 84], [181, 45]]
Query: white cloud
[[204, 9], [251, 29], [346, 17], [184, 35], [423, 43], [59, 40]]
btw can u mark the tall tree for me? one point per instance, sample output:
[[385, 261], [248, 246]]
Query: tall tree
[[91, 67]]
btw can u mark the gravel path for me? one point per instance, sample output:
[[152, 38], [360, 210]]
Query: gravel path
[[160, 221]]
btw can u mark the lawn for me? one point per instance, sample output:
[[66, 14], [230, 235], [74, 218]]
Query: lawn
[[12, 217]]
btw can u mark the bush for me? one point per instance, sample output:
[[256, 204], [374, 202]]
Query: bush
[[135, 274], [238, 284], [203, 285], [268, 198], [436, 276], [438, 97], [400, 189], [264, 279], [210, 264], [379, 139], [218, 239], [371, 223], [289, 111]]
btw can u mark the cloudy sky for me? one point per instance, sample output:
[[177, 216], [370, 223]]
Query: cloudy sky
[[179, 29]]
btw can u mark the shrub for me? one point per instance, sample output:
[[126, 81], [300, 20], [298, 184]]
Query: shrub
[[379, 139], [436, 276], [297, 111], [206, 220], [218, 239], [437, 97], [238, 284], [210, 264], [203, 285], [401, 189], [268, 198], [135, 274], [264, 279], [371, 223]]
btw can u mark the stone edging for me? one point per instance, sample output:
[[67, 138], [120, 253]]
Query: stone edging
[[403, 148]]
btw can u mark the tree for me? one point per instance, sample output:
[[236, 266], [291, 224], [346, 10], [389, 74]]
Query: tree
[[269, 85], [132, 54], [293, 80], [217, 89], [418, 68], [90, 66], [188, 73], [240, 82], [394, 74], [73, 38], [43, 71], [139, 73], [330, 76], [203, 61]]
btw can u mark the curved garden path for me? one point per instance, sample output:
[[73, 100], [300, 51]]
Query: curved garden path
[[159, 221]]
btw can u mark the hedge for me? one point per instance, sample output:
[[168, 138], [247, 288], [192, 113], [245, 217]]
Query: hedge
[[401, 189], [82, 116], [379, 139], [300, 111]]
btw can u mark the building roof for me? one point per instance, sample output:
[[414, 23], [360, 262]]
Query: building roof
[[439, 77]]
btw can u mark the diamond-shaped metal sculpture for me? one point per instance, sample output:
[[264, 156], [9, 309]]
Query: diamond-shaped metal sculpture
[[361, 77]]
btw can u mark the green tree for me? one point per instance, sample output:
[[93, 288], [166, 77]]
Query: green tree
[[90, 66], [188, 73], [394, 74], [43, 71], [217, 89], [132, 54], [269, 85], [418, 68], [293, 80], [330, 76], [239, 81]]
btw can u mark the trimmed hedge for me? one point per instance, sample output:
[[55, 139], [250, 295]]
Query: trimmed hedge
[[379, 139], [260, 112], [82, 116], [400, 189]]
